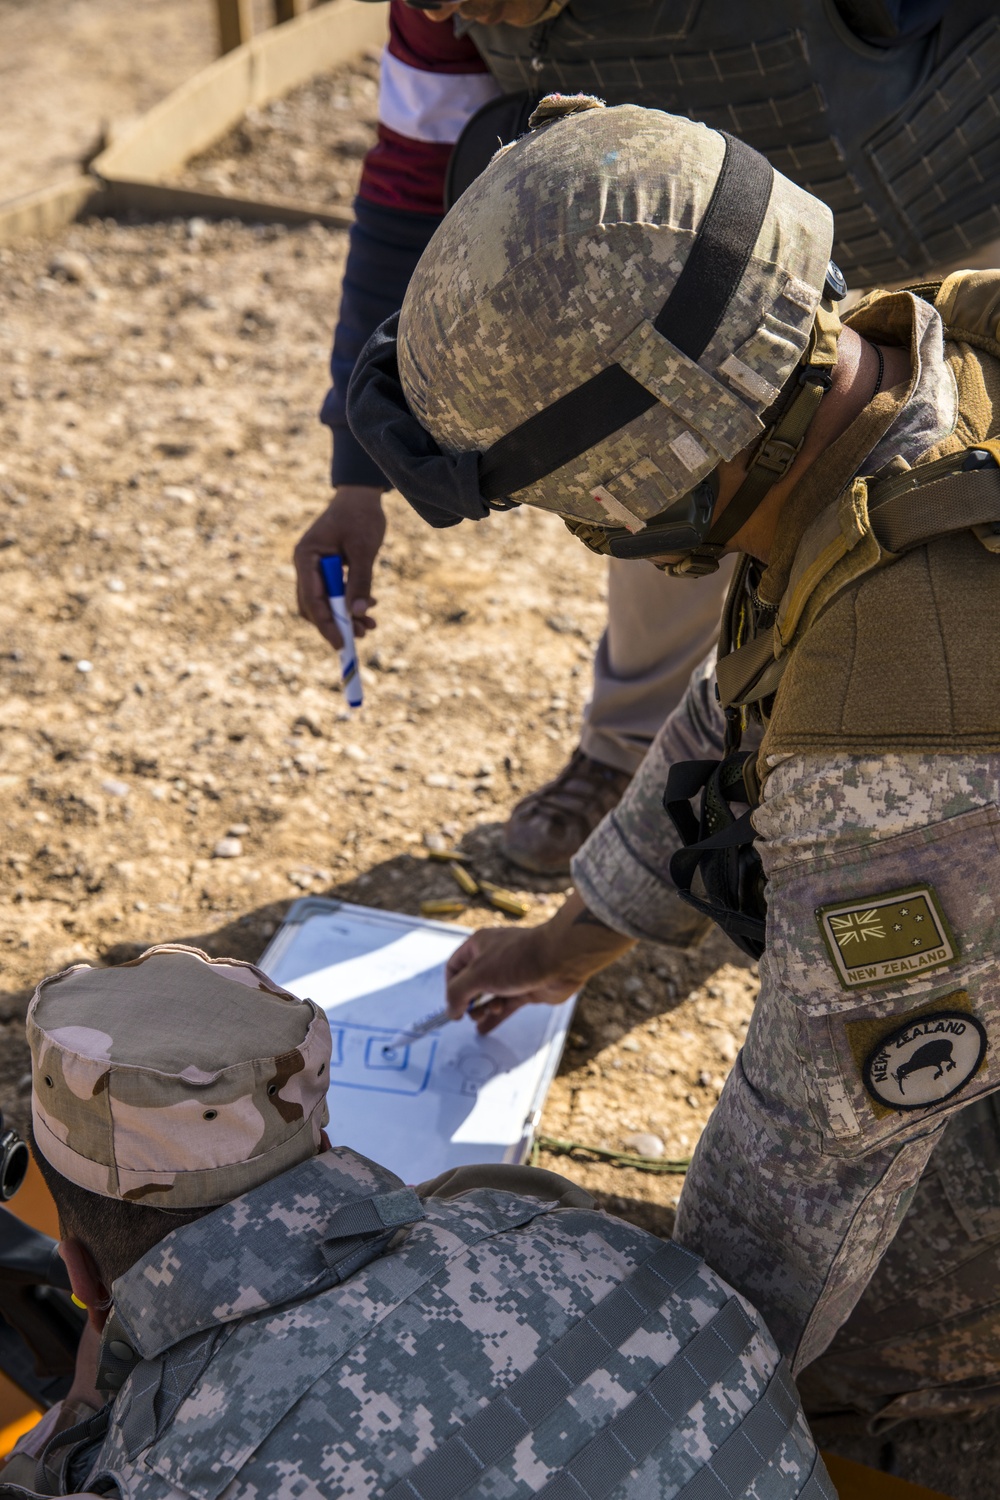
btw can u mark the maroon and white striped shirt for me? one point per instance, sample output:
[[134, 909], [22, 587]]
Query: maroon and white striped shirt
[[432, 83]]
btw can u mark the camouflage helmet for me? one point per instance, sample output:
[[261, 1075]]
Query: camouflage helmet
[[608, 311], [176, 1080]]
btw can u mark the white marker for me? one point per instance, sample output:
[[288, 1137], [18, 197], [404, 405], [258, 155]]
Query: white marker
[[332, 569], [432, 1023]]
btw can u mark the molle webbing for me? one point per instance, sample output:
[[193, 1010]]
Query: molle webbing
[[641, 1427], [901, 143], [496, 1430], [608, 401]]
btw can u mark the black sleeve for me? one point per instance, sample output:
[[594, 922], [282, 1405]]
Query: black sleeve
[[385, 245]]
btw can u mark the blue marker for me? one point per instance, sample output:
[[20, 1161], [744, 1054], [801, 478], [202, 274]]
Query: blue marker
[[332, 569]]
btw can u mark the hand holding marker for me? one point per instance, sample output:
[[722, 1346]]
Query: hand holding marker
[[432, 1023], [332, 569]]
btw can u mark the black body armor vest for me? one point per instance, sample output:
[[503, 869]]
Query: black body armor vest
[[901, 139]]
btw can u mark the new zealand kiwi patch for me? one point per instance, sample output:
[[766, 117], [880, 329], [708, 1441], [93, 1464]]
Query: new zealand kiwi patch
[[886, 938], [926, 1060]]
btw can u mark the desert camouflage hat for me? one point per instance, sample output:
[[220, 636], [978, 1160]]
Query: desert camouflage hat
[[176, 1080], [602, 318]]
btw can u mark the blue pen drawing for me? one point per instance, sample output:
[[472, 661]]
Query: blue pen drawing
[[420, 1104], [362, 1060]]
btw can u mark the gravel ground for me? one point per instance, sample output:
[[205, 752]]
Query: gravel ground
[[159, 695], [161, 456], [308, 145]]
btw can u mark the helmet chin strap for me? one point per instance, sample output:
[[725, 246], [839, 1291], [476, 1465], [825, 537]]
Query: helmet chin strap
[[776, 451]]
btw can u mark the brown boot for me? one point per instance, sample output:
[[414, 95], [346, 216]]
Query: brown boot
[[547, 827]]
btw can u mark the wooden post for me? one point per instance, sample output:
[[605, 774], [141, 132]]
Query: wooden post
[[235, 23], [287, 10]]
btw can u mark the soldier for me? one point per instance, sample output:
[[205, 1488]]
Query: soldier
[[668, 371], [272, 1316], [886, 111]]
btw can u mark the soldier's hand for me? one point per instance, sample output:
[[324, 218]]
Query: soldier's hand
[[534, 966], [352, 525]]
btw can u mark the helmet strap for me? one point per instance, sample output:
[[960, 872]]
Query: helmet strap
[[779, 447]]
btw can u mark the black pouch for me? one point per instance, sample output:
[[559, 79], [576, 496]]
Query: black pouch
[[719, 845]]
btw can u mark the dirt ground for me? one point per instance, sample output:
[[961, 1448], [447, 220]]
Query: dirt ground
[[159, 454]]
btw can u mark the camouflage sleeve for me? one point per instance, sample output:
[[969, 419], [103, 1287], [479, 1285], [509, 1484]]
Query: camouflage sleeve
[[877, 1019], [622, 871]]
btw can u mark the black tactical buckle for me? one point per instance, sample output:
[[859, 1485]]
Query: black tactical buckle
[[821, 375], [777, 456]]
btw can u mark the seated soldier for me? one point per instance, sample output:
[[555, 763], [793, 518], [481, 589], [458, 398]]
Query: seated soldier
[[270, 1315]]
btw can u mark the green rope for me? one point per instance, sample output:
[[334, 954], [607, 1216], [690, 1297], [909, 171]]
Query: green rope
[[575, 1149]]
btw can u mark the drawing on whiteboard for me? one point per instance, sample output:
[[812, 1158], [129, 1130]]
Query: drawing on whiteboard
[[430, 1102], [361, 1060], [470, 1070]]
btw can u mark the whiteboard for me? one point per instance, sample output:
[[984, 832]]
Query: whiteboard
[[443, 1100]]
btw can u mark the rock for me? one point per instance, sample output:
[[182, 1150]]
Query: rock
[[643, 1143], [227, 848], [85, 666], [70, 265], [355, 753], [115, 788], [62, 958], [179, 493], [68, 471], [438, 779], [237, 830], [726, 1046], [631, 1044], [563, 624], [309, 722], [115, 586], [435, 841]]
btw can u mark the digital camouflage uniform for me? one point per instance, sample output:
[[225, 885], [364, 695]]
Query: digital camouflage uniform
[[924, 1340], [330, 1332], [868, 655], [834, 1166]]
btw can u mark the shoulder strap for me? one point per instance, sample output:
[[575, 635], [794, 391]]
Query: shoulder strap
[[960, 492], [750, 673], [955, 493]]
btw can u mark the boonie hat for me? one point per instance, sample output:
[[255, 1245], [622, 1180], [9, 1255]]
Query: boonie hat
[[177, 1080]]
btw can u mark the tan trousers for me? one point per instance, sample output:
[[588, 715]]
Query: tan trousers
[[659, 629]]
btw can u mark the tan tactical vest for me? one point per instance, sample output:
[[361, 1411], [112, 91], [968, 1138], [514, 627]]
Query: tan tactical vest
[[887, 630]]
